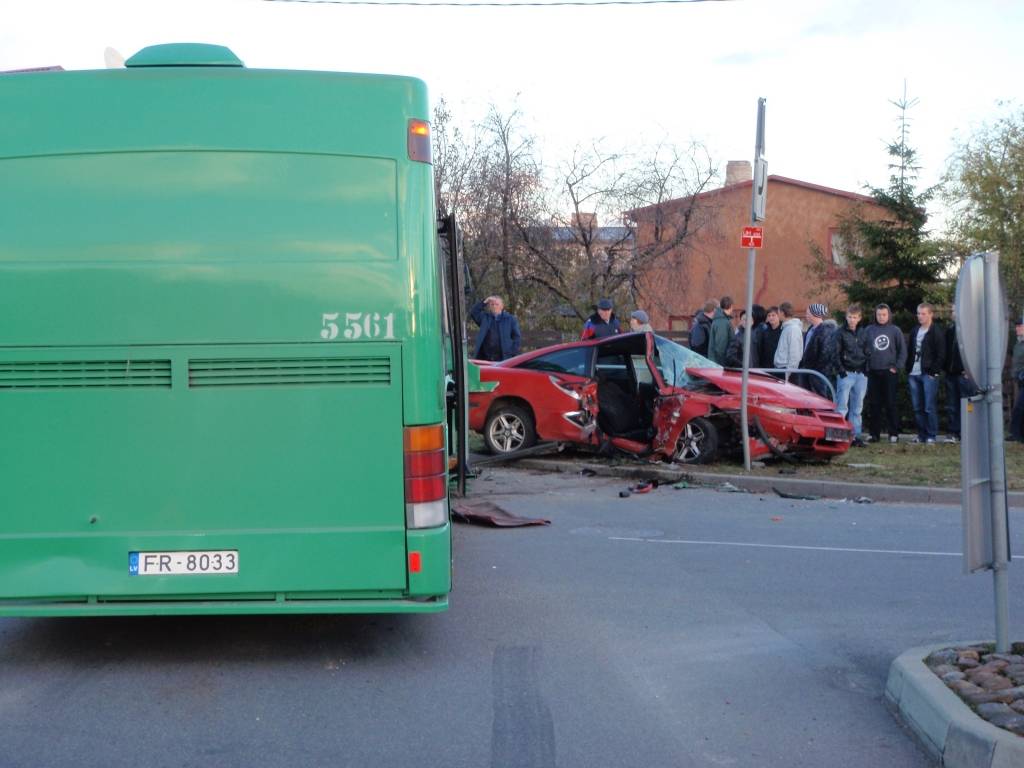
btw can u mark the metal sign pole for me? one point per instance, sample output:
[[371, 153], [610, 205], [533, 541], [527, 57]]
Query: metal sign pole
[[757, 208], [995, 355]]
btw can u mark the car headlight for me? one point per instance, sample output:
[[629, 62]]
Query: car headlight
[[780, 409]]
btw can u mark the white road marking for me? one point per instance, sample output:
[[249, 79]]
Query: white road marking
[[795, 546]]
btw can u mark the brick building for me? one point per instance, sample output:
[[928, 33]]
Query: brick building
[[710, 262]]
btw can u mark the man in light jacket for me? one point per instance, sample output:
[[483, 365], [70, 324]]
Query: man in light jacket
[[791, 342]]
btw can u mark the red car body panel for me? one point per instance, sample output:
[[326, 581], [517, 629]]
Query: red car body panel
[[565, 406]]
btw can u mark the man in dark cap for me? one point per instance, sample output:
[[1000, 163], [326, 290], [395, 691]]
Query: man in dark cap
[[602, 323], [639, 321]]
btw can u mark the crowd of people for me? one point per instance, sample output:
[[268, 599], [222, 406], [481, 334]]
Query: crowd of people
[[859, 361]]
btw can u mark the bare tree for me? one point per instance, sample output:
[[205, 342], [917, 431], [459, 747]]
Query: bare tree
[[650, 205]]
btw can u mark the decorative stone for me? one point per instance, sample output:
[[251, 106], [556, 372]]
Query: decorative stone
[[1016, 673], [963, 687], [988, 711], [949, 677], [986, 697], [1018, 706], [993, 682], [966, 662], [941, 669], [947, 656], [1009, 658], [968, 654]]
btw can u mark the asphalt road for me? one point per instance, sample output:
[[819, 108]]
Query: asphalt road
[[677, 628]]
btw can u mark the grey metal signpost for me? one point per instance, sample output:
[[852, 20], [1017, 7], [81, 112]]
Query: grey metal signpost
[[981, 332], [758, 201]]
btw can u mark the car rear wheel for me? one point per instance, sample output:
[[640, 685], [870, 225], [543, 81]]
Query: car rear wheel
[[509, 428], [698, 442]]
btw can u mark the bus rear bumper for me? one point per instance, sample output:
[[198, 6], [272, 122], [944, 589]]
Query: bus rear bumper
[[281, 604]]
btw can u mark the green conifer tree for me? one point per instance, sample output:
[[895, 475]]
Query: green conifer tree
[[892, 258]]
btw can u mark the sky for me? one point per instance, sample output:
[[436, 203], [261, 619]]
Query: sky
[[628, 76]]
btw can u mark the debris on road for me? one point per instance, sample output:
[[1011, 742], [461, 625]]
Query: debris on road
[[730, 488], [624, 494], [480, 512], [681, 485], [797, 496], [866, 466], [863, 500], [503, 458]]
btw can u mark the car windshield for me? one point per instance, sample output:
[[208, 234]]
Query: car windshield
[[673, 359]]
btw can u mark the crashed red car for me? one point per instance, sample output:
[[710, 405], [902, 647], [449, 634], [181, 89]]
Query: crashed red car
[[647, 396]]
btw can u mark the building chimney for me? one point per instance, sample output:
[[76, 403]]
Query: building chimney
[[737, 171], [584, 220]]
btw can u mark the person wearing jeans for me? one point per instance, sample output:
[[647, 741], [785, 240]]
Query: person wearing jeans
[[924, 364], [852, 383], [887, 353]]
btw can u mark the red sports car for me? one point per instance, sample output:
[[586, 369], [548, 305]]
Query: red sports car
[[647, 396]]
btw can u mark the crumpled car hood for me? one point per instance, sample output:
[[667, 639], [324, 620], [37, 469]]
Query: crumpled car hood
[[763, 388]]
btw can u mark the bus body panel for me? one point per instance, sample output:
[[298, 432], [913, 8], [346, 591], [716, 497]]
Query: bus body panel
[[219, 309]]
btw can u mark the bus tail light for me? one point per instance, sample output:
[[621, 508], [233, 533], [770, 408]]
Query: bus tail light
[[426, 477], [419, 141]]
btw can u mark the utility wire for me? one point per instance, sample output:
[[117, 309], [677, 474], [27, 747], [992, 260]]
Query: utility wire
[[509, 4]]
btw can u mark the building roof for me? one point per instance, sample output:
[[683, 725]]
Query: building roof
[[598, 234], [854, 196]]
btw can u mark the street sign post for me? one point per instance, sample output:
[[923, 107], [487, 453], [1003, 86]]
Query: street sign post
[[758, 204], [981, 332], [752, 237]]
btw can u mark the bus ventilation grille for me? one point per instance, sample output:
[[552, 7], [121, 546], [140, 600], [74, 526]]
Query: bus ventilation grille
[[87, 374], [262, 372]]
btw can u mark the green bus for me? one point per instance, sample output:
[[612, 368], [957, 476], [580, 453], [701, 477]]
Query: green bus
[[222, 342]]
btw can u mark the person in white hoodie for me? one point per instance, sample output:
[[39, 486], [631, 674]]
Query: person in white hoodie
[[791, 342]]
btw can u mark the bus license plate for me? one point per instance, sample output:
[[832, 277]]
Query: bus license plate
[[187, 563]]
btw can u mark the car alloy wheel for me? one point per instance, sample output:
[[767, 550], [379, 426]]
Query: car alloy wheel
[[698, 442], [509, 428]]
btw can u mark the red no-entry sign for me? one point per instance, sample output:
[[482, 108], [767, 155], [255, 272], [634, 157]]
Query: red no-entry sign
[[752, 237]]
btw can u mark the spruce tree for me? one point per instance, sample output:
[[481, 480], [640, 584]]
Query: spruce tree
[[892, 260]]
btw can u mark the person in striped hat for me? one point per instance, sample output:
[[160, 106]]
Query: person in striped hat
[[820, 350]]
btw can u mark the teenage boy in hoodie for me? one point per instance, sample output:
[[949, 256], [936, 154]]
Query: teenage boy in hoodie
[[721, 331], [887, 354], [926, 358], [851, 344], [791, 341], [768, 340], [700, 333]]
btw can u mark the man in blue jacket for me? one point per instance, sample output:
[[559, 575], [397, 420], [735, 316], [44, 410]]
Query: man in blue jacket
[[499, 337]]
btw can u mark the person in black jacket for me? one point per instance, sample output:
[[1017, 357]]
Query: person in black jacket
[[925, 362], [734, 354], [820, 350], [887, 353], [768, 339], [852, 350], [958, 383], [700, 332]]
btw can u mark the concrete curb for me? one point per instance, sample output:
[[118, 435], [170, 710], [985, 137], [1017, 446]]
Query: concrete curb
[[759, 483], [947, 728]]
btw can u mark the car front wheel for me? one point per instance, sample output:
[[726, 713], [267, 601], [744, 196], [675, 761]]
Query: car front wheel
[[698, 442], [509, 428]]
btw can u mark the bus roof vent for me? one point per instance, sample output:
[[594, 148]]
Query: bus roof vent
[[184, 55]]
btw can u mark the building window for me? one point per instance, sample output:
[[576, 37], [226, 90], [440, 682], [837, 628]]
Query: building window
[[678, 323], [838, 248]]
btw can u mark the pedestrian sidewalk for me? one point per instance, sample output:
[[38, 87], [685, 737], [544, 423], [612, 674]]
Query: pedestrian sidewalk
[[913, 494]]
